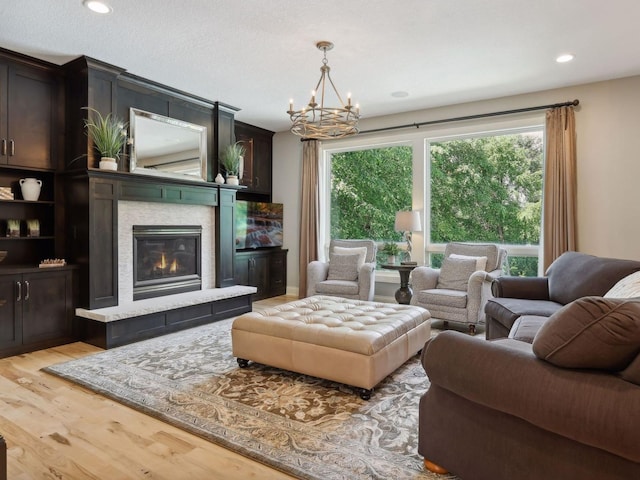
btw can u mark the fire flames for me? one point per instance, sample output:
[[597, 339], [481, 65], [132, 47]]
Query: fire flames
[[162, 265]]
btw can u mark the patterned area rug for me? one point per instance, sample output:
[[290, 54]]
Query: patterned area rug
[[304, 426]]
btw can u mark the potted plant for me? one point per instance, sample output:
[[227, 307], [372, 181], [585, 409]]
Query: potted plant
[[391, 249], [230, 160], [108, 134]]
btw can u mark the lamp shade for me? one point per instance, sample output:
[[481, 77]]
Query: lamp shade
[[408, 221]]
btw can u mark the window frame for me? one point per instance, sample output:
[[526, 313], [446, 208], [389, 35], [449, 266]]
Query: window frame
[[420, 141]]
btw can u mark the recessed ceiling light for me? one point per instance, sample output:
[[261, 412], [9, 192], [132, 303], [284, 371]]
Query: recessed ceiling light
[[400, 94], [566, 57], [98, 7]]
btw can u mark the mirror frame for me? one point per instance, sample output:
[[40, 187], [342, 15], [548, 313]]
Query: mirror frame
[[135, 114]]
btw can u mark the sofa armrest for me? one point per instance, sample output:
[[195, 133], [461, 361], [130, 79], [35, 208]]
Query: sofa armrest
[[530, 288], [592, 407], [366, 281]]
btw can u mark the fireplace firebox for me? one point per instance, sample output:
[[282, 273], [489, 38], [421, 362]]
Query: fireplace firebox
[[166, 260]]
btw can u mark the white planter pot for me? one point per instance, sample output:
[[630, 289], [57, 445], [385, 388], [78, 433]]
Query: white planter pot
[[232, 180], [107, 163]]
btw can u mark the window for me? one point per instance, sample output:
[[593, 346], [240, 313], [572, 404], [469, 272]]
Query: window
[[489, 189], [468, 186], [367, 187]]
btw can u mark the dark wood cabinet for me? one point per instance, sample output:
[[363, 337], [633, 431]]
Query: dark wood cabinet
[[28, 112], [258, 159], [264, 269], [29, 247], [36, 309]]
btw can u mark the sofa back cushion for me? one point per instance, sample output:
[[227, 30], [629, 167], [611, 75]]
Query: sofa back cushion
[[591, 332], [574, 275]]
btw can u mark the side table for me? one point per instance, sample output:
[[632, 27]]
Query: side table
[[404, 293]]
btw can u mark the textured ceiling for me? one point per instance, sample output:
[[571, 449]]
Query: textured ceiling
[[257, 54]]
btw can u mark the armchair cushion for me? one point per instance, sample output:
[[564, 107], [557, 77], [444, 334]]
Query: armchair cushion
[[591, 332], [360, 251], [455, 273], [481, 262], [343, 267]]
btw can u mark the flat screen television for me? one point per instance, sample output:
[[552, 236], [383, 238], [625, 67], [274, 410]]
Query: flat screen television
[[258, 225]]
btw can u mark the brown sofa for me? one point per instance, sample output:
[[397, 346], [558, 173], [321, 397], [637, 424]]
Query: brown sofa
[[522, 304], [565, 407]]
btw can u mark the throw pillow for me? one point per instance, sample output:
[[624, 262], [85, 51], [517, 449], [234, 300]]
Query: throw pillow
[[455, 273], [591, 332], [481, 262], [361, 251], [343, 267], [632, 372], [627, 287]]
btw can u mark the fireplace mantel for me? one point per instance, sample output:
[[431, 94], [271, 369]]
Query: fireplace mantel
[[92, 206]]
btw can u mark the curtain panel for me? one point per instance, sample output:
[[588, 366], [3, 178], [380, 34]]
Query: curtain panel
[[309, 211], [560, 185]]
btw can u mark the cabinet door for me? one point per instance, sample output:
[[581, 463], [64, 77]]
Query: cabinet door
[[46, 306], [259, 275], [242, 269], [10, 315], [30, 107], [262, 163], [278, 274], [4, 140]]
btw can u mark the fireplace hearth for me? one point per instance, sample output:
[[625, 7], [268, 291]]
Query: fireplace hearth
[[166, 260]]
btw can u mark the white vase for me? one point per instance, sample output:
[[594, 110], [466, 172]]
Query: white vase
[[232, 180], [108, 163], [30, 188]]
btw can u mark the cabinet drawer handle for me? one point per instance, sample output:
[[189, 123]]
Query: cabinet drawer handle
[[26, 296], [19, 284], [12, 150], [3, 151], [257, 181]]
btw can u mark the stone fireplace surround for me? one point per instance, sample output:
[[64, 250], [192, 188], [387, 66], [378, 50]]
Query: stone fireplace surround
[[131, 320]]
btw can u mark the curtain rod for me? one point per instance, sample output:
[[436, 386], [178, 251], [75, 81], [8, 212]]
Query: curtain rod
[[473, 117]]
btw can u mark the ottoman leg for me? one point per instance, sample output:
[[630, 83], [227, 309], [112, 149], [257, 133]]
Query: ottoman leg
[[242, 363], [365, 393]]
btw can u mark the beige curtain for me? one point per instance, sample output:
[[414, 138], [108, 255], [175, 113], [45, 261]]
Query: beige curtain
[[309, 215], [560, 184]]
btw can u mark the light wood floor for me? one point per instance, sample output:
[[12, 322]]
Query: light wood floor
[[56, 430]]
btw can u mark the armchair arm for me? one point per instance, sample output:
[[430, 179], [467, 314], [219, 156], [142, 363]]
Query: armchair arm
[[317, 272], [530, 288], [366, 281], [424, 278], [477, 290], [591, 407]]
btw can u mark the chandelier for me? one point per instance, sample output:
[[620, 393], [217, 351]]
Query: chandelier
[[320, 121]]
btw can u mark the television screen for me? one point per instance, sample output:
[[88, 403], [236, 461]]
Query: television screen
[[258, 224]]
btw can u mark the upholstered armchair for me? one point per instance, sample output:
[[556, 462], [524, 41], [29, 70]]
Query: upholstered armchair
[[459, 290], [349, 273]]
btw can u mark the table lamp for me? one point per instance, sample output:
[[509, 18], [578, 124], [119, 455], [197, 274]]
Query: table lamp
[[408, 221]]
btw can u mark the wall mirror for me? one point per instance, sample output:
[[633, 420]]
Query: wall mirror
[[166, 146]]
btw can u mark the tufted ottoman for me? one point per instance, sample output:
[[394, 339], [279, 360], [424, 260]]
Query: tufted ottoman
[[349, 341]]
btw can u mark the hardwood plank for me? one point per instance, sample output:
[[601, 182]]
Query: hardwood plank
[[55, 429]]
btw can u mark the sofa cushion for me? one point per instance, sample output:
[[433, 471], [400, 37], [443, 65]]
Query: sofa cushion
[[526, 327], [507, 310], [628, 287], [337, 287], [343, 267], [591, 332], [574, 275], [455, 273]]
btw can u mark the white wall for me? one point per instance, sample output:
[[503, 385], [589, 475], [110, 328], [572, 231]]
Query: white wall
[[608, 131]]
